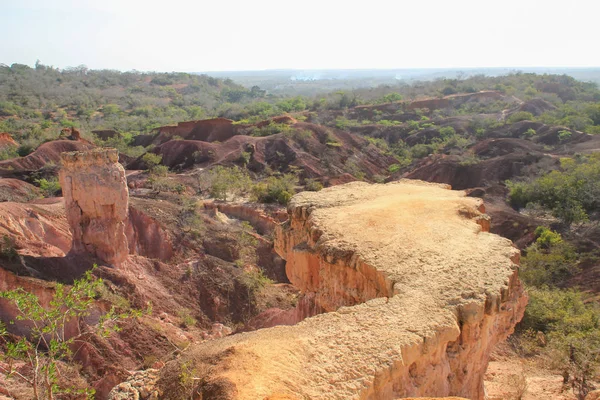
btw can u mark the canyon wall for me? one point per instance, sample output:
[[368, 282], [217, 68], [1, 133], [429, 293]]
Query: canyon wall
[[96, 202], [418, 293]]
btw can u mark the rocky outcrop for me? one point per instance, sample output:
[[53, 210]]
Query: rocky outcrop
[[418, 293], [147, 237], [38, 229], [141, 385], [263, 219], [208, 130], [7, 141], [96, 202]]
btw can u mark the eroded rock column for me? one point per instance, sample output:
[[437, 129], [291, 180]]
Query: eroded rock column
[[96, 201]]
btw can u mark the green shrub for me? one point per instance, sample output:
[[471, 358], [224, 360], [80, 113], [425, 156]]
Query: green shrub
[[380, 144], [547, 238], [8, 153], [447, 132], [8, 248], [390, 98], [228, 180], [275, 189], [151, 160], [187, 320], [50, 187], [564, 135], [469, 158], [549, 261], [520, 116], [255, 280], [421, 150], [570, 194], [571, 328], [121, 143], [351, 166], [270, 129], [299, 134], [313, 185], [394, 168], [387, 122], [189, 218], [246, 245], [25, 149], [344, 123]]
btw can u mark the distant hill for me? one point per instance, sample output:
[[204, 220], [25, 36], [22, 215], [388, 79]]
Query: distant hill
[[297, 81]]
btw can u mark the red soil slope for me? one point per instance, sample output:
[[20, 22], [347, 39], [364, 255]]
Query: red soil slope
[[45, 154]]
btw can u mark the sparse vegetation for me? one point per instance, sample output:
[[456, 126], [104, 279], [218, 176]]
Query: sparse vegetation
[[271, 129], [228, 180], [50, 187], [187, 320], [275, 189], [570, 194], [49, 344], [313, 185], [520, 116], [566, 322], [8, 248]]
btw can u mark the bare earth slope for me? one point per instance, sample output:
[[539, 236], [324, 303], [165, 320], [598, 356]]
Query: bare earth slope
[[425, 293]]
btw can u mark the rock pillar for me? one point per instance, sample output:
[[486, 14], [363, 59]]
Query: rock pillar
[[96, 201]]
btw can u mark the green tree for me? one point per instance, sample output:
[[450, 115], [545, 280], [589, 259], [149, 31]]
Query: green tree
[[571, 194], [549, 261], [49, 344], [50, 187], [520, 116], [275, 189], [151, 160], [228, 180]]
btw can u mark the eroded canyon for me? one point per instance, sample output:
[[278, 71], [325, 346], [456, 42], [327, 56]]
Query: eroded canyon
[[418, 293]]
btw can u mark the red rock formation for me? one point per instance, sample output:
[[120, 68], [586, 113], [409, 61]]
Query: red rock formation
[[17, 190], [45, 155], [96, 202], [146, 237], [6, 140], [39, 230], [208, 130]]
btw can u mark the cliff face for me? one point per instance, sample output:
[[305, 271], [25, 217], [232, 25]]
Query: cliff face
[[96, 202], [418, 293]]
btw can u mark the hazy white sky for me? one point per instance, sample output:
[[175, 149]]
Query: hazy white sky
[[201, 35]]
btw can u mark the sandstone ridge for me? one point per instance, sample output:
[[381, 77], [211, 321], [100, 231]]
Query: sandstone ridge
[[96, 202], [419, 294]]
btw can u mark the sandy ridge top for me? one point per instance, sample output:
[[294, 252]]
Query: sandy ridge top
[[419, 235]]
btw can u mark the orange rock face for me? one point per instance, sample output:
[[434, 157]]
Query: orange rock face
[[96, 202], [6, 140]]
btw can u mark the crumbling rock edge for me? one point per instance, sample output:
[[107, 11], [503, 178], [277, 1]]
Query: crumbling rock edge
[[419, 294]]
